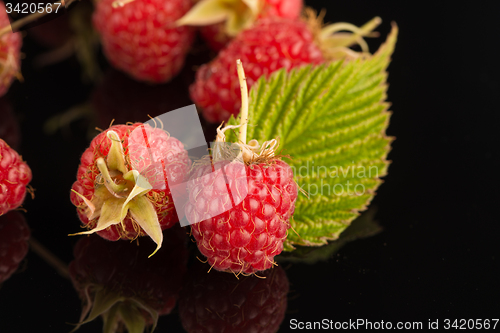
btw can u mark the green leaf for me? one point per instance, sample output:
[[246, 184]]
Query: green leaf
[[331, 119]]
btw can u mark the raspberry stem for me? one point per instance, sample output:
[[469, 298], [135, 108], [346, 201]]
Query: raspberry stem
[[49, 257], [244, 102]]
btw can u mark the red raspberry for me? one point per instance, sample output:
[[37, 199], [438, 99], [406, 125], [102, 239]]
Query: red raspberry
[[217, 302], [10, 53], [15, 175], [244, 238], [217, 38], [138, 286], [14, 235], [142, 39], [270, 45], [93, 184]]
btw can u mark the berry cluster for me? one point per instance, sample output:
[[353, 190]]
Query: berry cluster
[[239, 208]]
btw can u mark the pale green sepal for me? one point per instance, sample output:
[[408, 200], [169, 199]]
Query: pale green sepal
[[142, 186], [254, 6], [94, 207], [206, 12], [144, 213], [111, 319], [103, 302], [238, 14], [236, 23], [141, 183], [240, 20], [132, 317], [113, 211], [89, 204], [108, 180], [152, 312], [116, 157]]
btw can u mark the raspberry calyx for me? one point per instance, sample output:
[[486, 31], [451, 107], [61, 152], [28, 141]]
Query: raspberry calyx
[[119, 191], [251, 152], [237, 14], [335, 39]]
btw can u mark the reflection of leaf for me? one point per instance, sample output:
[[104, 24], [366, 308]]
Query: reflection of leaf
[[331, 119], [363, 227]]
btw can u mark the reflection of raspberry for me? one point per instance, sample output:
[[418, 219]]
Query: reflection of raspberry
[[14, 235], [90, 179], [139, 286], [142, 39], [218, 302], [15, 175], [247, 237], [270, 45], [10, 53]]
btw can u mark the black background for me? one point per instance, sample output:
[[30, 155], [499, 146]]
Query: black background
[[437, 256]]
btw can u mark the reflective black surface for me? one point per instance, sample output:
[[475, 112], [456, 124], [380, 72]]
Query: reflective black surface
[[435, 254]]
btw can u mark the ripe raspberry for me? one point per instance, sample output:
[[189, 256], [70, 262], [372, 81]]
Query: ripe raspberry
[[10, 53], [270, 45], [217, 302], [14, 235], [112, 198], [244, 238], [142, 39], [15, 175], [136, 287]]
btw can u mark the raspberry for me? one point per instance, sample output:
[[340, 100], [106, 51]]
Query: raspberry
[[10, 53], [142, 39], [106, 191], [14, 235], [246, 237], [240, 206], [15, 175], [217, 302], [270, 45], [138, 286]]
